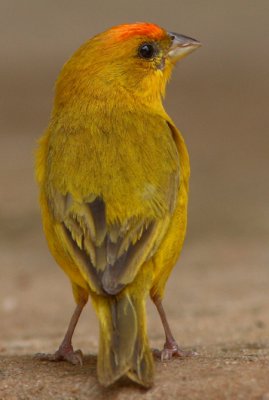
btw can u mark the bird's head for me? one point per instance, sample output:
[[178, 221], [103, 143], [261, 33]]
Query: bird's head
[[132, 58]]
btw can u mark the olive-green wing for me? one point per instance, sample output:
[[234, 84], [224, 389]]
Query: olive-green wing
[[108, 256]]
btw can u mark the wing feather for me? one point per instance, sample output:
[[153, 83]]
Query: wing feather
[[109, 256]]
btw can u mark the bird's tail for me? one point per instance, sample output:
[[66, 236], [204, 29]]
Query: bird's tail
[[123, 343]]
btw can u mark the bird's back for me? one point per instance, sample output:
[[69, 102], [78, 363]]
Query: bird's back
[[131, 162]]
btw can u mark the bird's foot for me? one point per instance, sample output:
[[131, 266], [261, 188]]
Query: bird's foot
[[170, 350], [64, 353]]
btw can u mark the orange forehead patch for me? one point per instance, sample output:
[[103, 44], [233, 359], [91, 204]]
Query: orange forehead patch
[[147, 29]]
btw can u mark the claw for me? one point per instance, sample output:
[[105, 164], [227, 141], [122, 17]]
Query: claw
[[75, 357]]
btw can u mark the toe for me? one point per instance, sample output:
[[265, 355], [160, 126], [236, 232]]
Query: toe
[[166, 354], [184, 353], [74, 357]]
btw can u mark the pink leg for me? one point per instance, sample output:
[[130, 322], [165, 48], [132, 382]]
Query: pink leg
[[171, 347], [65, 351]]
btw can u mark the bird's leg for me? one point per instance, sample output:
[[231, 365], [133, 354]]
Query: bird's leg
[[170, 347], [65, 351]]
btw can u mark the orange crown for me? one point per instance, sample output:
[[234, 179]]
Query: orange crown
[[147, 29]]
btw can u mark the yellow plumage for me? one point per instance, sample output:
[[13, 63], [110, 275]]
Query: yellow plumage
[[113, 173]]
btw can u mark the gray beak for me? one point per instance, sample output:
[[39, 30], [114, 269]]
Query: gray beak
[[181, 46]]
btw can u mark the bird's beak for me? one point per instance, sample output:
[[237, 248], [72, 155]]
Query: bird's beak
[[181, 46]]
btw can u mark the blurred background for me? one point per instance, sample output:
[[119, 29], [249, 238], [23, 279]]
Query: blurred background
[[218, 97]]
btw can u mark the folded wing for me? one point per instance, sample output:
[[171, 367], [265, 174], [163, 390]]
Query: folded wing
[[108, 255]]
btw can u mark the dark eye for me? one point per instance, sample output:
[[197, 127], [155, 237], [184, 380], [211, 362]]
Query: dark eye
[[147, 51]]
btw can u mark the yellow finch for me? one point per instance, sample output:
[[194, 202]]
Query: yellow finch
[[113, 172]]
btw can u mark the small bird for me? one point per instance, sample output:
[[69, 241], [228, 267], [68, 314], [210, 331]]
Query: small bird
[[113, 173]]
